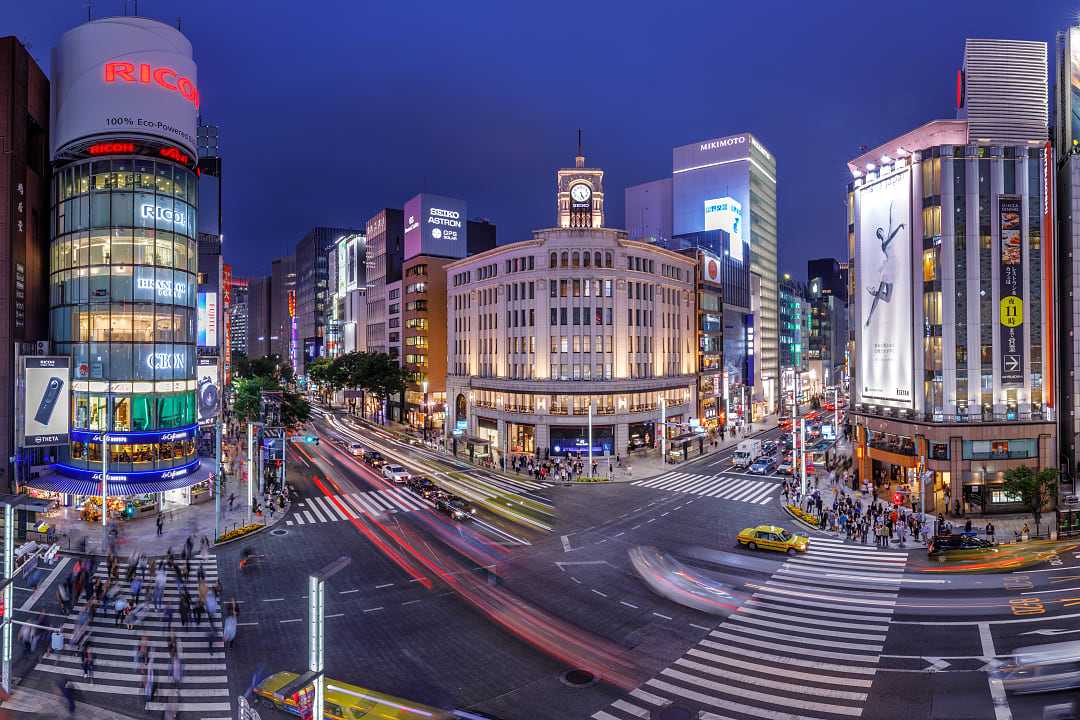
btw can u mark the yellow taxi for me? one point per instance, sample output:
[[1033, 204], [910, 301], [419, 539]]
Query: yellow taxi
[[773, 537], [294, 694]]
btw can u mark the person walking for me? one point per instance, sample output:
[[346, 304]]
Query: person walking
[[120, 607], [87, 662], [990, 532]]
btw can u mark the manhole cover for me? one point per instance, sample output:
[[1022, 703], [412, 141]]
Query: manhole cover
[[279, 531], [578, 678], [674, 713]]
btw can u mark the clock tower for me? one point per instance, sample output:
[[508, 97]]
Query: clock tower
[[580, 194]]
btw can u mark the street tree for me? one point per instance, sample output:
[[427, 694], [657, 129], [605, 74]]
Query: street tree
[[1035, 488]]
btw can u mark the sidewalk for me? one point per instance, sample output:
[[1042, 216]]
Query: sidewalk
[[180, 523], [27, 702]]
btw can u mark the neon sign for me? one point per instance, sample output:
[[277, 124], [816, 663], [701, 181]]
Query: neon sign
[[163, 77], [174, 154], [148, 211], [165, 288], [111, 148], [166, 361]]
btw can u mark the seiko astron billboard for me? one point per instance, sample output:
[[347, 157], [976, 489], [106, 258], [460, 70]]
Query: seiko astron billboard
[[124, 75], [883, 288], [436, 225]]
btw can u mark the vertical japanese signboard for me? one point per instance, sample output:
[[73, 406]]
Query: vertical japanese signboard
[[1011, 283]]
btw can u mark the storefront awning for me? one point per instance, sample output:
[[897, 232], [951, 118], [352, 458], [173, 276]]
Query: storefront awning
[[55, 482]]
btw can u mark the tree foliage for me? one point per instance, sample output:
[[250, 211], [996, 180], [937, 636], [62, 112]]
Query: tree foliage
[[1035, 488]]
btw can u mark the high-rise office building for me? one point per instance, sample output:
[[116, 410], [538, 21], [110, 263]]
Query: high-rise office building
[[729, 184], [259, 324], [24, 223], [284, 335], [955, 278], [385, 234], [125, 216], [238, 316], [312, 255]]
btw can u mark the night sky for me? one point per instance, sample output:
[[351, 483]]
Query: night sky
[[332, 110]]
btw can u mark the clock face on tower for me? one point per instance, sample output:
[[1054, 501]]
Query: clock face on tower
[[580, 193]]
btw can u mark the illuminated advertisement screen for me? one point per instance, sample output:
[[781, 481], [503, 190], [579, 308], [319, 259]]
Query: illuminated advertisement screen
[[46, 401], [711, 190], [208, 320], [1011, 287], [883, 269], [208, 390], [436, 225]]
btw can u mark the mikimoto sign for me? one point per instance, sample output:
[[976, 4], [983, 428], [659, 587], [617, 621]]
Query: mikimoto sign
[[124, 76]]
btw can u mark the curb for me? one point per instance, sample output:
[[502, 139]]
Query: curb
[[255, 532], [802, 522]]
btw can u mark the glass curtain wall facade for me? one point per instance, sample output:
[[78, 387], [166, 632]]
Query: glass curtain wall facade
[[122, 295]]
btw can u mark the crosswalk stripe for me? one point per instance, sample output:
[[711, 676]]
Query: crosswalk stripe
[[378, 499], [784, 661], [299, 520], [751, 609], [370, 508], [672, 479], [783, 670], [310, 519], [693, 484], [838, 644], [354, 507], [332, 505], [745, 694], [811, 630], [317, 509], [853, 552], [757, 642], [799, 574], [731, 487], [868, 596], [773, 684], [401, 499], [752, 488], [766, 499], [631, 709]]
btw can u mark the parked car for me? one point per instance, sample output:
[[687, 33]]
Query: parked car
[[395, 474], [763, 465], [458, 508]]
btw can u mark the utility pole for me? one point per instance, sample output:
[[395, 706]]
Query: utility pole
[[316, 632]]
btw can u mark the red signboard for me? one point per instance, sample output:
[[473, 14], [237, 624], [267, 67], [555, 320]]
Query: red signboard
[[146, 74]]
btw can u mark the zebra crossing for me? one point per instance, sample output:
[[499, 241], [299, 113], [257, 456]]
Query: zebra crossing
[[740, 489], [805, 645], [203, 691], [346, 506]]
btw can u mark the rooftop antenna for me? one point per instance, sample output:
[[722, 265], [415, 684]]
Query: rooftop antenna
[[580, 159], [89, 10]]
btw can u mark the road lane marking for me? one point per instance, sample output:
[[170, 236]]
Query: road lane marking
[[630, 605], [346, 592], [373, 609], [291, 620], [661, 616], [273, 599], [384, 585], [599, 593]]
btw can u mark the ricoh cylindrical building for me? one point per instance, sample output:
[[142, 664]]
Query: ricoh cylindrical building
[[123, 259]]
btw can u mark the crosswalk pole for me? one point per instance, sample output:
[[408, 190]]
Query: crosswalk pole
[[8, 594], [250, 468], [802, 453]]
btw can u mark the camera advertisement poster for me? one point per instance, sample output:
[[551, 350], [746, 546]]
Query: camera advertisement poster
[[208, 390], [46, 401]]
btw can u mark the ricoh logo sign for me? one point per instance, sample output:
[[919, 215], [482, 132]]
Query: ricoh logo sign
[[156, 212]]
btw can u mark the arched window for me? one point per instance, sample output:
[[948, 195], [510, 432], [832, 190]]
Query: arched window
[[565, 259], [554, 262], [585, 259], [607, 259], [575, 260], [597, 260]]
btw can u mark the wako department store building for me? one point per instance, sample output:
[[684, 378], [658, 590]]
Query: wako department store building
[[123, 258], [538, 330]]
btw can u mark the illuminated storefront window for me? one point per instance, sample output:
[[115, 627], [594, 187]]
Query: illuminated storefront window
[[123, 264]]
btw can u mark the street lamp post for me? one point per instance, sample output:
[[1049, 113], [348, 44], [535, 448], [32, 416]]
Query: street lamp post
[[316, 633], [590, 437], [427, 410], [663, 429], [802, 453], [251, 470]]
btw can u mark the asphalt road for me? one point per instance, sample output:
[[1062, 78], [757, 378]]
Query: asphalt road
[[488, 614]]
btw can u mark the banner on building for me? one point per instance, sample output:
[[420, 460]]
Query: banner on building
[[208, 389], [1011, 284], [45, 400], [883, 268]]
